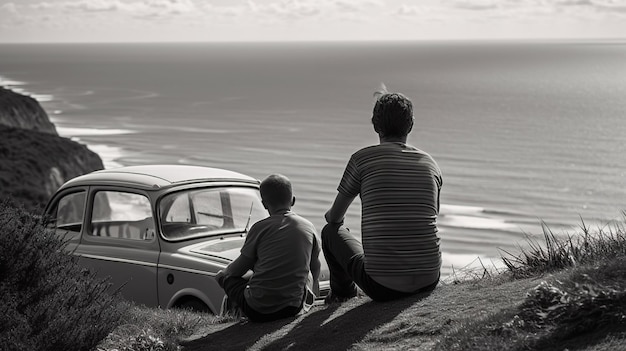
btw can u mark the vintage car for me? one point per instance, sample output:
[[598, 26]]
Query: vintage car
[[160, 232]]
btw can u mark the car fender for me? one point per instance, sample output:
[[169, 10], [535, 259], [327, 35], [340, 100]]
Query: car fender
[[195, 293]]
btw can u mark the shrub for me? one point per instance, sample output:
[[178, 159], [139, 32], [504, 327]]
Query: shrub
[[48, 301], [573, 250]]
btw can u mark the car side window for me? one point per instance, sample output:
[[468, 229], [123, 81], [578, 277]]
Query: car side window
[[122, 215], [68, 213]]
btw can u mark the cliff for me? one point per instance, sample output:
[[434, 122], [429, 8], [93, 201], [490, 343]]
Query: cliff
[[24, 112], [34, 159]]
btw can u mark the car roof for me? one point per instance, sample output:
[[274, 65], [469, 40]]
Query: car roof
[[159, 176]]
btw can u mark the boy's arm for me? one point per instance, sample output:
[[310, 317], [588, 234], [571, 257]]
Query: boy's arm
[[315, 266], [338, 210], [238, 268], [315, 272]]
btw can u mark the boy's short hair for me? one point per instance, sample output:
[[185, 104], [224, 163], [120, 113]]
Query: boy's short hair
[[393, 115], [276, 190]]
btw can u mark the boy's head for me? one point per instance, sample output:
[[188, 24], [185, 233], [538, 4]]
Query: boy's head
[[276, 192], [393, 115]]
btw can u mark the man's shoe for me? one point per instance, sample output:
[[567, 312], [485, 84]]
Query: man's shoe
[[334, 298]]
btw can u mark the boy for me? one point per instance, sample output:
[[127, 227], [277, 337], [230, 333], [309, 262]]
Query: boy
[[282, 252]]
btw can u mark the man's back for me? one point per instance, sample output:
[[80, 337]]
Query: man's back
[[399, 188]]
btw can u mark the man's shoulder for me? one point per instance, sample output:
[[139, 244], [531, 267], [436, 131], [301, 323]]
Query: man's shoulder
[[364, 151]]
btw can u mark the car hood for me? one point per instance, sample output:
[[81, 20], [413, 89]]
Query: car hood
[[224, 248]]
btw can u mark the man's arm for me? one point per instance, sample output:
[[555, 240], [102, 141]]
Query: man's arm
[[338, 210]]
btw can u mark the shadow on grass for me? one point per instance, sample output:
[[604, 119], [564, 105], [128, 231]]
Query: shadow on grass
[[239, 336], [316, 332]]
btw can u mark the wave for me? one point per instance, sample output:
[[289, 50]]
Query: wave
[[17, 87], [7, 82], [108, 154], [75, 132], [475, 217], [474, 222]]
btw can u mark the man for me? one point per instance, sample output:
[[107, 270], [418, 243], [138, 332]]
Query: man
[[282, 252], [399, 186]]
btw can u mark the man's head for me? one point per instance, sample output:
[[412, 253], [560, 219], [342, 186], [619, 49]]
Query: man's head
[[276, 192], [393, 115]]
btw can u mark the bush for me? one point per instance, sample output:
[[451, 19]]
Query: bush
[[559, 253], [48, 301]]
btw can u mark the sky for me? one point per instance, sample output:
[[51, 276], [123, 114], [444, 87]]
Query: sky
[[308, 20]]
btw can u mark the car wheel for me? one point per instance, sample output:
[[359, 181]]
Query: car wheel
[[193, 304]]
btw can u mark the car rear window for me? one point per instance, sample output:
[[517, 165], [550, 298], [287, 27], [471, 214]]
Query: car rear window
[[209, 211]]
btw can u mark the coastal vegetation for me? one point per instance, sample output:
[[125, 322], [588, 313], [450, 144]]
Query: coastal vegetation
[[49, 302]]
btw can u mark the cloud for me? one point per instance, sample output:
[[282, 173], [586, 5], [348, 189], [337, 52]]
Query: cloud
[[323, 9], [574, 2], [133, 8], [94, 5], [609, 5], [10, 8], [43, 6], [476, 4], [9, 14]]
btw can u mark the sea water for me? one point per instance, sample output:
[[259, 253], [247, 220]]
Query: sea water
[[524, 133]]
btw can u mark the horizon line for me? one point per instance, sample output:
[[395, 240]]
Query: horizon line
[[599, 40]]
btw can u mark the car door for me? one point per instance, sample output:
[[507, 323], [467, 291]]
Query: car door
[[119, 241]]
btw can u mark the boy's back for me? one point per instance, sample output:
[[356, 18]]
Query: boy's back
[[280, 250], [281, 247]]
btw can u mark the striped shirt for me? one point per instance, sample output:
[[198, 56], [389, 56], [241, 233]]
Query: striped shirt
[[399, 187]]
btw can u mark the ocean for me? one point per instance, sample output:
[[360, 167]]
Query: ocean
[[525, 133]]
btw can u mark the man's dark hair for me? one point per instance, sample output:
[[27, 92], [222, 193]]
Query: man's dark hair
[[276, 190], [393, 115]]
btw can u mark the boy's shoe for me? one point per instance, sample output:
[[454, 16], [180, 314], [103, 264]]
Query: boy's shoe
[[334, 298]]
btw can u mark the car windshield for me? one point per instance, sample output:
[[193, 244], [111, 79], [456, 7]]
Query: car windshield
[[209, 211]]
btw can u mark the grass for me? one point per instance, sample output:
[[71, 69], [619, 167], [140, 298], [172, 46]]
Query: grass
[[574, 250], [561, 292], [143, 328]]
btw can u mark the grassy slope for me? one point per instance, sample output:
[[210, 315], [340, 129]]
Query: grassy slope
[[568, 294], [361, 324]]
